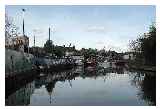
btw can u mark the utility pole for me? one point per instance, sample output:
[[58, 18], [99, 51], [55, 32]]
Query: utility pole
[[23, 10], [34, 49], [34, 40]]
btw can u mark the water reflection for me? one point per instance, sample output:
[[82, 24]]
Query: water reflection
[[87, 86], [146, 82], [21, 96]]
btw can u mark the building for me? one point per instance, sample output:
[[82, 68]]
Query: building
[[19, 43], [70, 51], [129, 56], [37, 51]]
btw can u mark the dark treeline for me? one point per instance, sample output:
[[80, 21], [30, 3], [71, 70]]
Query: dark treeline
[[54, 50], [145, 47]]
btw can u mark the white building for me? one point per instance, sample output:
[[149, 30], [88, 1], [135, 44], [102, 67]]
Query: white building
[[129, 56], [69, 53]]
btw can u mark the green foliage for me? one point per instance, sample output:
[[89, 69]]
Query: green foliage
[[87, 53], [146, 46], [59, 51], [48, 46]]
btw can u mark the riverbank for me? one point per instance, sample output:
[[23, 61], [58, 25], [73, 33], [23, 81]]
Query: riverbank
[[133, 65], [145, 68]]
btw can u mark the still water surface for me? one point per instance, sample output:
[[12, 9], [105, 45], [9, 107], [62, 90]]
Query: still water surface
[[87, 86]]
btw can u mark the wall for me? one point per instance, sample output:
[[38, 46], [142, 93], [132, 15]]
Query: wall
[[16, 62]]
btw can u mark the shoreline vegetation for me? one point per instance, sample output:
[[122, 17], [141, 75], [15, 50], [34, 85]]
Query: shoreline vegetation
[[144, 48], [143, 67]]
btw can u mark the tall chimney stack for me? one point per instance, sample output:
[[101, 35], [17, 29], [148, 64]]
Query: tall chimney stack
[[49, 33]]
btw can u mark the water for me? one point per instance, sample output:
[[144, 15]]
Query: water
[[87, 86]]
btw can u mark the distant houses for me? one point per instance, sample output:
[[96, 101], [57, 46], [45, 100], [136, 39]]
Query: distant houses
[[128, 56]]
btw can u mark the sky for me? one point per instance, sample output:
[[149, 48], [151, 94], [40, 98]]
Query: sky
[[85, 26]]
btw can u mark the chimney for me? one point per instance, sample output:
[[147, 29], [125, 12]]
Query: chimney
[[49, 33]]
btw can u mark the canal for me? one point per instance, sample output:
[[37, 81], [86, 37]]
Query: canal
[[89, 86]]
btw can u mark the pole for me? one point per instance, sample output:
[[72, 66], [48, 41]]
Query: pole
[[23, 10], [23, 21], [34, 40], [49, 33], [23, 26]]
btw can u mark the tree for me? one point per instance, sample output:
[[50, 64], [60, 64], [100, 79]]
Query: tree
[[135, 46], [59, 51], [11, 30], [145, 45], [148, 45], [88, 53], [48, 46]]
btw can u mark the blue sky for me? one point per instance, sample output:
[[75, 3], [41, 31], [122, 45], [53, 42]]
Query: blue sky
[[89, 26]]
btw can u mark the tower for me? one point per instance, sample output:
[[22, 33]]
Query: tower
[[49, 33], [34, 40]]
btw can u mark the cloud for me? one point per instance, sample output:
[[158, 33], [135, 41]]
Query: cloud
[[38, 31], [97, 29], [100, 42]]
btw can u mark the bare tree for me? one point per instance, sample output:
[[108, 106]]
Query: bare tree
[[11, 30]]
